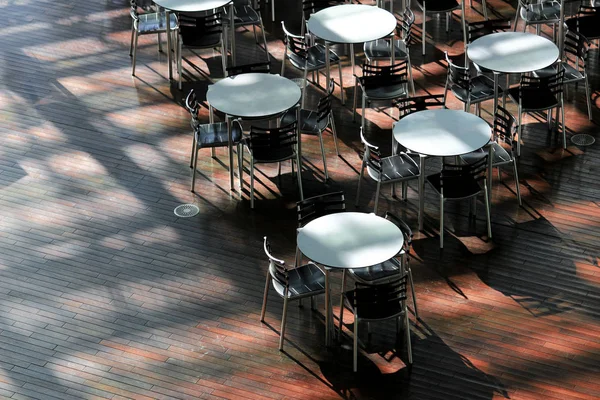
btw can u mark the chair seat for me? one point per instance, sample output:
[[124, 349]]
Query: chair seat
[[309, 122], [193, 37], [571, 74], [243, 15], [438, 6], [306, 280], [588, 26], [378, 311], [396, 168], [454, 187], [380, 49], [377, 272], [215, 135], [383, 88], [534, 100], [542, 13], [500, 155], [482, 88], [155, 22], [316, 58]]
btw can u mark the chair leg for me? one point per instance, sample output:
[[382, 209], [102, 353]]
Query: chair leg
[[589, 97], [283, 318], [241, 166], [517, 181], [252, 182], [448, 16], [135, 43], [303, 95], [407, 333], [179, 64], [360, 176], [194, 170], [334, 133], [299, 175], [423, 30], [355, 344], [323, 155], [364, 106], [341, 82], [487, 211], [223, 58], [355, 101], [519, 131], [272, 10], [441, 222], [283, 61], [265, 296], [562, 117], [131, 43], [377, 196], [410, 75], [262, 29], [414, 296], [194, 145], [341, 322]]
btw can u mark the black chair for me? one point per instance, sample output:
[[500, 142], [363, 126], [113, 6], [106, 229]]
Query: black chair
[[370, 303], [310, 7], [315, 122], [248, 13], [293, 284], [146, 24], [575, 64], [586, 23], [262, 67], [315, 207], [540, 94], [398, 168], [469, 90], [440, 7], [307, 58], [272, 145], [457, 182], [391, 269], [380, 83], [200, 32], [381, 49], [210, 135], [503, 147], [538, 13]]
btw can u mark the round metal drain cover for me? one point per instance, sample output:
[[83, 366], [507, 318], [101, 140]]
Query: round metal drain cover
[[583, 139], [186, 210]]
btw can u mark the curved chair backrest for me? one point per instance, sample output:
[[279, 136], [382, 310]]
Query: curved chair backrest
[[378, 75], [482, 28], [403, 226], [324, 105], [205, 25], [576, 48], [372, 156], [265, 139], [453, 173], [318, 206], [191, 103], [277, 268], [457, 75], [295, 44], [505, 127], [554, 83], [312, 6], [420, 103], [262, 67], [404, 27], [382, 295]]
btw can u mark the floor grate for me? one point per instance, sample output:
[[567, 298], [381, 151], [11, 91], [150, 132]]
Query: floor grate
[[186, 210], [583, 139]]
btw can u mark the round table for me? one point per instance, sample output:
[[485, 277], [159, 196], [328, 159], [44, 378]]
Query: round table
[[512, 53], [252, 96], [350, 24], [348, 240], [440, 133], [191, 6]]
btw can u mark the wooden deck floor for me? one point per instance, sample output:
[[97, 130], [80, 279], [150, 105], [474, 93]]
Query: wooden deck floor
[[104, 293]]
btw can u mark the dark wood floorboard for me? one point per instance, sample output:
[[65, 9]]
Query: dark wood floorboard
[[105, 293]]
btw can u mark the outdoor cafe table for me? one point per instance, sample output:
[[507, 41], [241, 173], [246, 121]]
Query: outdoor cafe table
[[191, 6], [252, 96], [440, 133], [348, 240], [350, 24], [511, 53]]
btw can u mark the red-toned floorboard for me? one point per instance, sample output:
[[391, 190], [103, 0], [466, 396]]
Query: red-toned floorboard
[[105, 293]]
